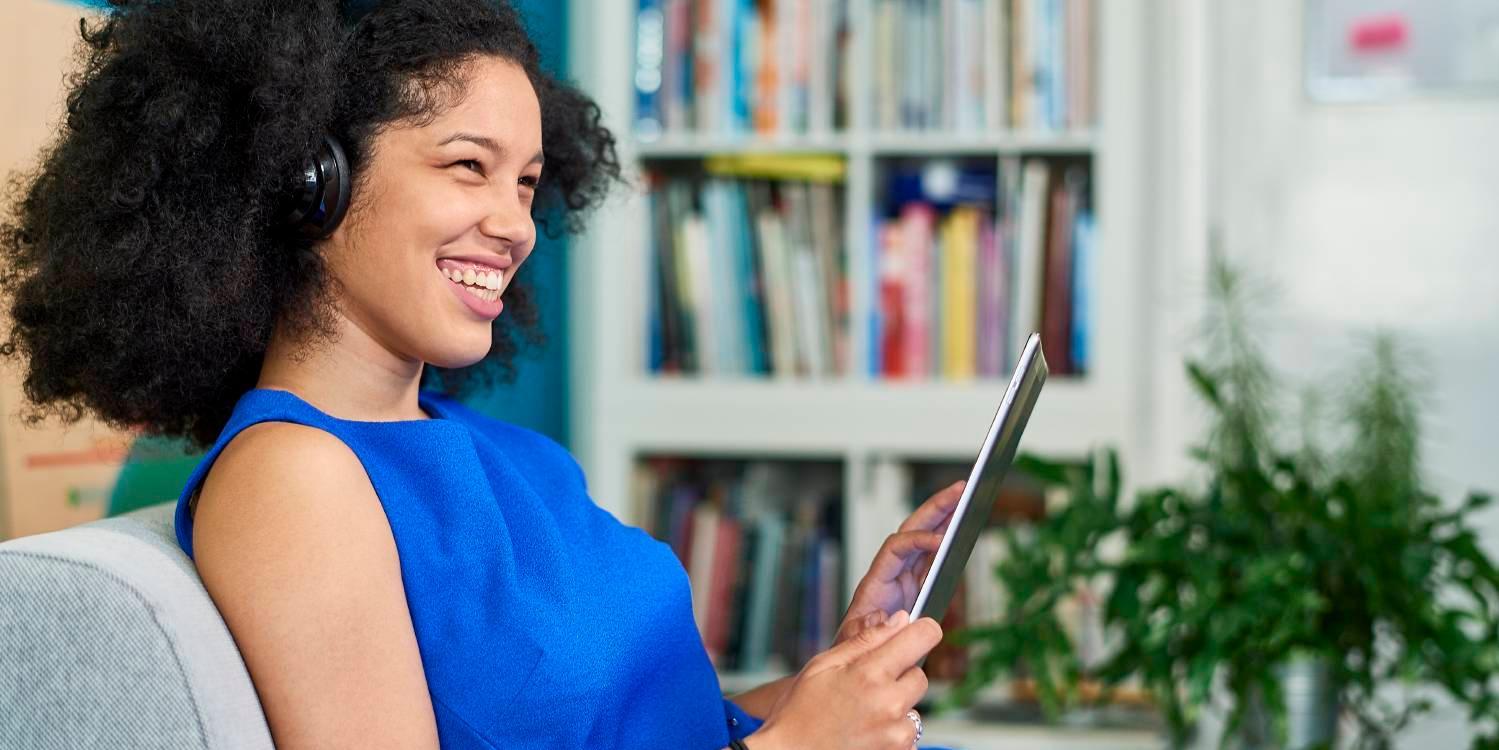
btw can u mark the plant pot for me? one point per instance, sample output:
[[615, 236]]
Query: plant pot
[[1311, 719]]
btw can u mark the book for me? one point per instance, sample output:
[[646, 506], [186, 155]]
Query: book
[[960, 237], [724, 575], [827, 244], [1030, 248], [993, 300], [650, 56], [708, 54], [676, 96], [894, 275], [736, 66], [981, 65], [781, 312], [770, 533], [748, 269], [1082, 289], [701, 555], [1056, 291]]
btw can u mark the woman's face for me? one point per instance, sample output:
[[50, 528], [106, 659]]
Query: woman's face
[[442, 221]]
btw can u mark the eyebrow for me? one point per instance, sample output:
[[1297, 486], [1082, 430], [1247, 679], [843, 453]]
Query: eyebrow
[[486, 143]]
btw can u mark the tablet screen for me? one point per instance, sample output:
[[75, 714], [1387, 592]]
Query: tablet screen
[[972, 512]]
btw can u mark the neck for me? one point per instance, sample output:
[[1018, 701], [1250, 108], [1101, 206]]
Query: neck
[[352, 377]]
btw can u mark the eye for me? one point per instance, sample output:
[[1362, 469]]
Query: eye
[[471, 165], [530, 182]]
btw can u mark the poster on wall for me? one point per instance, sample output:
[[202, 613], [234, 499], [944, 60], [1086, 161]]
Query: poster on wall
[[1381, 50], [56, 476]]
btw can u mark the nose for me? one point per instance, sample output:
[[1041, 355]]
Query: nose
[[509, 220]]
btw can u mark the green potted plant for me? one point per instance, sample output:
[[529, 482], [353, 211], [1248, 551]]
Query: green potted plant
[[1304, 577]]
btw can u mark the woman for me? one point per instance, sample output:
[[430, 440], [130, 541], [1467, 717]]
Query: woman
[[265, 226]]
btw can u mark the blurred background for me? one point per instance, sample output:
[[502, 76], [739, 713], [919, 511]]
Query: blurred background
[[843, 218]]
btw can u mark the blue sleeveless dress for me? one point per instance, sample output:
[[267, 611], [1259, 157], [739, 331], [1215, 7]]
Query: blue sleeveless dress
[[542, 621]]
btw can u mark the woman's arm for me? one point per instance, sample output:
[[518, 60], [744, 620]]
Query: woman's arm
[[291, 542], [757, 702]]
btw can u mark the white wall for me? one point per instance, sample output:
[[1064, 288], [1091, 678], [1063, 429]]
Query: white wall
[[1365, 216]]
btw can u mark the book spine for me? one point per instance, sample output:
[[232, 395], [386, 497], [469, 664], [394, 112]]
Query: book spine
[[676, 67], [763, 594], [1056, 295], [650, 55], [1082, 295], [918, 225], [700, 564], [725, 571], [1030, 262], [778, 280], [707, 57]]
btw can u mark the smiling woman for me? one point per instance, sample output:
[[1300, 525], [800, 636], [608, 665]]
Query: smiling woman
[[178, 154], [396, 569]]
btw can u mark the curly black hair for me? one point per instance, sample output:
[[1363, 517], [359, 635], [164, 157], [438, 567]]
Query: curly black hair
[[144, 267]]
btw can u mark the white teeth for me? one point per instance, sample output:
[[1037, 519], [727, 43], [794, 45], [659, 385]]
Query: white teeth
[[483, 294], [482, 284]]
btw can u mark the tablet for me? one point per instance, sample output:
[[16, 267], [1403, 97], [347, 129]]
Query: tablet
[[972, 513]]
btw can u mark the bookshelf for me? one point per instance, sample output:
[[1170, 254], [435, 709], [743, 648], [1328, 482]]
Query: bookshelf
[[862, 422]]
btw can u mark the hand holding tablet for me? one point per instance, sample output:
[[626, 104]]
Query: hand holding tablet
[[921, 563]]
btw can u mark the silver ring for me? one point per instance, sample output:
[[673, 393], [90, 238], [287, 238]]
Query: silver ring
[[916, 720]]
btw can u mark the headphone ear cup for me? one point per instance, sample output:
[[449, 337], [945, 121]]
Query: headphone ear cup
[[320, 204], [336, 194]]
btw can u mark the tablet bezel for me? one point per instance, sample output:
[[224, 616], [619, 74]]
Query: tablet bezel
[[968, 518]]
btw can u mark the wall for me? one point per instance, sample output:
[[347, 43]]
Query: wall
[[1374, 215], [540, 397]]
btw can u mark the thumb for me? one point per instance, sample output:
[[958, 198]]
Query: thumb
[[868, 639]]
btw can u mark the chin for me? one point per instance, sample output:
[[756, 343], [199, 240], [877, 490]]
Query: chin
[[457, 357]]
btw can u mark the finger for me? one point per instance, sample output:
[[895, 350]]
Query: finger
[[911, 687], [902, 650], [866, 641], [896, 554], [853, 626], [903, 734], [936, 509]]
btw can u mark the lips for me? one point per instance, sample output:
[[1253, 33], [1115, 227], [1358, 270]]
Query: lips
[[483, 303], [485, 262]]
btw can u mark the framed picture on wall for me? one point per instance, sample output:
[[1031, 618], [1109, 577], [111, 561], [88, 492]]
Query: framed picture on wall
[[1379, 50]]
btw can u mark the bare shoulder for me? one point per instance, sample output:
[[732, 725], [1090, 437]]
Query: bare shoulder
[[273, 469], [292, 543]]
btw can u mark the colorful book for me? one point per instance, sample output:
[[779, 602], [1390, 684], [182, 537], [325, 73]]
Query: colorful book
[[1030, 266], [650, 55]]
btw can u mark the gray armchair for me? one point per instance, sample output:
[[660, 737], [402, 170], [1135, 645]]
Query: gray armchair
[[109, 640]]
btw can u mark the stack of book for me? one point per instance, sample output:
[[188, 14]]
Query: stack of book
[[969, 263], [737, 66], [983, 64], [762, 550], [747, 269]]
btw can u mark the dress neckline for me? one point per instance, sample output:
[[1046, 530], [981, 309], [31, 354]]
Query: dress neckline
[[436, 412]]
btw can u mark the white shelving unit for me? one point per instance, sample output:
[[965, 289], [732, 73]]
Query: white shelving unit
[[621, 412]]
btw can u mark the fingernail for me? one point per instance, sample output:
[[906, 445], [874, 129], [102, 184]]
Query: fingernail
[[872, 619], [898, 617]]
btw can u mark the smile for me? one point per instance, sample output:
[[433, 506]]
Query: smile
[[485, 285]]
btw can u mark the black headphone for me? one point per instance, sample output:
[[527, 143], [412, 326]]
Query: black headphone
[[323, 199]]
